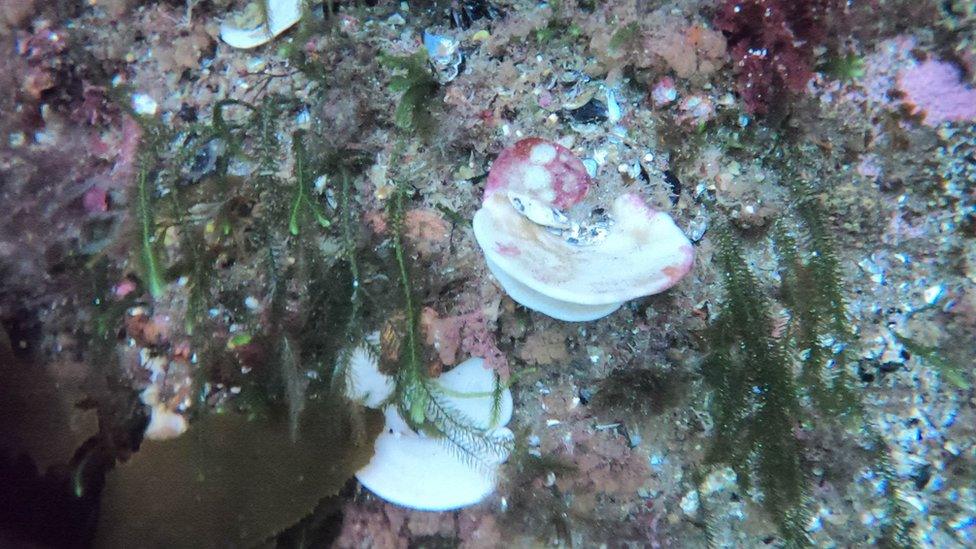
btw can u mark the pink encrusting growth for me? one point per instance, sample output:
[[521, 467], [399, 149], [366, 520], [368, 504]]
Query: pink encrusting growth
[[664, 92], [469, 333], [540, 169], [506, 249], [562, 262], [95, 200], [934, 89]]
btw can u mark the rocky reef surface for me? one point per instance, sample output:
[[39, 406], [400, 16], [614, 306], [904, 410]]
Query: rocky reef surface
[[193, 233]]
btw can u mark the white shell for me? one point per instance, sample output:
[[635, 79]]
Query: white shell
[[164, 424], [421, 472], [476, 383], [538, 211], [282, 14], [537, 301], [364, 381], [428, 474], [642, 253]]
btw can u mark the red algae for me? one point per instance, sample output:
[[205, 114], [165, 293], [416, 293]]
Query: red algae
[[772, 45]]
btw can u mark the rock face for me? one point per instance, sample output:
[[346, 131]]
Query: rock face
[[567, 264]]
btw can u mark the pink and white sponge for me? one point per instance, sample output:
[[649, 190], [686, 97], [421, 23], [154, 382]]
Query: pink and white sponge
[[569, 264]]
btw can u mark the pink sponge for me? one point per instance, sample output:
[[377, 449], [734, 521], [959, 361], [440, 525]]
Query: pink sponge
[[934, 89]]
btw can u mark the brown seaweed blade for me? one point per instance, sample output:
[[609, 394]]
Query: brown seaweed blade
[[38, 412], [233, 482]]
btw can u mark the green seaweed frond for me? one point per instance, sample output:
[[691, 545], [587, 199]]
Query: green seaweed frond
[[423, 402], [706, 516], [201, 280], [951, 371], [354, 330], [411, 374], [846, 67], [624, 36], [756, 404], [640, 392], [813, 292], [302, 201], [109, 311], [154, 135], [453, 216], [468, 441], [418, 86], [265, 123], [896, 528], [148, 252], [199, 260]]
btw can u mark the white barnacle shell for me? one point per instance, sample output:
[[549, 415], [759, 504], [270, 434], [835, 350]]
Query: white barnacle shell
[[164, 422], [429, 473], [583, 272], [254, 30]]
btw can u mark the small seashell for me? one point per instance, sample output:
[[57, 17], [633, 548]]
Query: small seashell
[[445, 54], [593, 111], [664, 92], [538, 211], [614, 113], [933, 294], [250, 30], [144, 104]]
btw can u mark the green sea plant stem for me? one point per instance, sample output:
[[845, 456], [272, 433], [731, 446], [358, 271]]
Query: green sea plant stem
[[153, 134], [353, 327], [412, 381], [422, 401], [302, 200], [756, 404], [347, 235], [895, 529], [147, 229]]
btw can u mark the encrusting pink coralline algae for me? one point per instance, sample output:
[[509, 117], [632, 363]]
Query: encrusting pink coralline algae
[[934, 89]]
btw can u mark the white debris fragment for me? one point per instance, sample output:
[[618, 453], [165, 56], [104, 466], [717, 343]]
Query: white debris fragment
[[144, 105], [933, 294], [690, 503], [250, 29]]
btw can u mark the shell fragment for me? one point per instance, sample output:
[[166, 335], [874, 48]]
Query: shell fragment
[[418, 471], [567, 270], [251, 29]]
